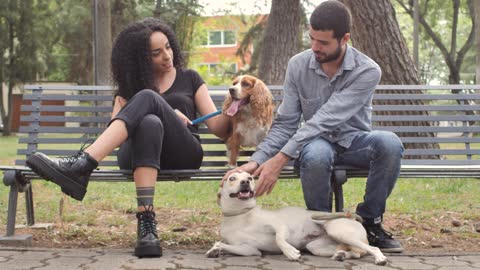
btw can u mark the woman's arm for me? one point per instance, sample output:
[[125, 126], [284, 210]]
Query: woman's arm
[[219, 125], [118, 104]]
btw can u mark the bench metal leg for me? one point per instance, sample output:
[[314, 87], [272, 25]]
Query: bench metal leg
[[11, 239], [12, 210], [29, 206], [339, 178]]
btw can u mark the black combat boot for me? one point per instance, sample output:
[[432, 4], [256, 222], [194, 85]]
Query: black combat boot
[[148, 244], [378, 237], [70, 173]]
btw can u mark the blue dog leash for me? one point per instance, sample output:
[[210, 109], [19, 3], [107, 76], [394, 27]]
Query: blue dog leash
[[205, 117]]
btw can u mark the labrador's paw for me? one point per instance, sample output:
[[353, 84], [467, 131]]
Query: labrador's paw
[[339, 256], [292, 253], [381, 260], [214, 252]]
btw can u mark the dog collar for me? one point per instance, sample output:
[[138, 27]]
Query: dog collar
[[236, 213]]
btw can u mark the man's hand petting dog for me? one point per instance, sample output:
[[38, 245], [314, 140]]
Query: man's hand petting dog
[[248, 167], [267, 173]]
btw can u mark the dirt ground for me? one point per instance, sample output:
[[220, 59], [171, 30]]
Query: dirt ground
[[436, 234]]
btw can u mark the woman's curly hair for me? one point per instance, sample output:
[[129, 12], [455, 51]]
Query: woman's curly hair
[[132, 68]]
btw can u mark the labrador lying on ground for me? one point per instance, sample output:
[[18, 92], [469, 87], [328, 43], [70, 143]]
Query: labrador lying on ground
[[247, 229]]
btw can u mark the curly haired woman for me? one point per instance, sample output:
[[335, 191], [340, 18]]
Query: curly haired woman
[[154, 101]]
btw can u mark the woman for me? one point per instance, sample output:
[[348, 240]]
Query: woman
[[155, 100]]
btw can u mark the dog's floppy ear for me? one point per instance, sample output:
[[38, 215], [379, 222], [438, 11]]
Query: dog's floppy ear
[[219, 196], [261, 102], [228, 100]]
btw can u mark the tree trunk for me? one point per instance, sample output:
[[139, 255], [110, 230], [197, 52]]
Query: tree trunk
[[102, 51], [477, 35], [280, 41], [375, 31], [103, 42], [7, 126], [2, 101]]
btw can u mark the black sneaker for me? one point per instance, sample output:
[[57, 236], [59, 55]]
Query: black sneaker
[[148, 244], [70, 173], [382, 239]]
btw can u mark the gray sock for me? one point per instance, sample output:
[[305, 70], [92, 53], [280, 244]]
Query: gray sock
[[145, 196]]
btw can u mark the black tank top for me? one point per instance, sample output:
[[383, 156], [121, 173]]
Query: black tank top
[[181, 95]]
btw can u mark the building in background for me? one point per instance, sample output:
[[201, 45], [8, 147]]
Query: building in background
[[218, 40]]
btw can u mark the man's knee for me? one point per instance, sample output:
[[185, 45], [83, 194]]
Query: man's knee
[[317, 153], [387, 143]]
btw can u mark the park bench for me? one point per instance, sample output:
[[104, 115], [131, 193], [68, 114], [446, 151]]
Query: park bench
[[438, 124]]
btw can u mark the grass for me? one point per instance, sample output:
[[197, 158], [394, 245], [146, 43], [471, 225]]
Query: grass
[[107, 213]]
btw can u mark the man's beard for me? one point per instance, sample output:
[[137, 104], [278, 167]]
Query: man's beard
[[330, 57]]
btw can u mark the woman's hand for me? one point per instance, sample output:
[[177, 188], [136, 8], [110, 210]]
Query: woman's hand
[[183, 117]]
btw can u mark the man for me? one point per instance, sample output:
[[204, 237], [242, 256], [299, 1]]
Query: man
[[332, 86]]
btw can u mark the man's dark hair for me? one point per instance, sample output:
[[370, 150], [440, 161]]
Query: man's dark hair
[[132, 68], [332, 15]]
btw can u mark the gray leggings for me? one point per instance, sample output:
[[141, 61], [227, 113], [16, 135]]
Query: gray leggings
[[156, 136]]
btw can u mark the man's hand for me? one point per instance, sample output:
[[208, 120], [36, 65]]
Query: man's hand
[[268, 173], [249, 167]]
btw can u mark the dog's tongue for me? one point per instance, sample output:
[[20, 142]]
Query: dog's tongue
[[233, 109]]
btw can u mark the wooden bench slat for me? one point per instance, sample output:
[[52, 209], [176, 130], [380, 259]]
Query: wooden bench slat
[[51, 108], [421, 152], [68, 130], [440, 139], [426, 96], [414, 118], [26, 140], [212, 141], [61, 119], [440, 162], [69, 97], [427, 129], [427, 87], [69, 87], [66, 152], [420, 108]]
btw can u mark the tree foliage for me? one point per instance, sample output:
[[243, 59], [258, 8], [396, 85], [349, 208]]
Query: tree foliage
[[447, 32]]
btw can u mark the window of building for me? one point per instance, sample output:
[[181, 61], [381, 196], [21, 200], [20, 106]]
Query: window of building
[[220, 38]]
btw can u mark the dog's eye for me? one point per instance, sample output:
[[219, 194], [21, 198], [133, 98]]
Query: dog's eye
[[245, 84], [250, 178], [231, 178]]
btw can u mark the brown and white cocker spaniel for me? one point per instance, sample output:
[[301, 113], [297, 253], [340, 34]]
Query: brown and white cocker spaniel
[[250, 104]]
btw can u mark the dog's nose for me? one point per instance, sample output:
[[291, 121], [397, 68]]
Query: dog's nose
[[244, 183], [231, 90]]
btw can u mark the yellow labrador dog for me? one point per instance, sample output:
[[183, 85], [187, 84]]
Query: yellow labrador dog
[[247, 229]]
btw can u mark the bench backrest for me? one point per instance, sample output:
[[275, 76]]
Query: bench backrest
[[438, 124]]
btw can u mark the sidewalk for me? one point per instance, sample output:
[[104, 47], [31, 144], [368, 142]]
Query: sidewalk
[[66, 259]]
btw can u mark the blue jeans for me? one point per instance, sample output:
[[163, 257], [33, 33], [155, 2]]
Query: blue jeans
[[378, 151]]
